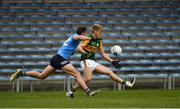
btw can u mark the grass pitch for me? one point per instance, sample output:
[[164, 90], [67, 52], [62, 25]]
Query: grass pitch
[[104, 99]]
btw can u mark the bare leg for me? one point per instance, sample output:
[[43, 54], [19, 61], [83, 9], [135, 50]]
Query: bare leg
[[45, 73], [99, 69], [87, 77], [104, 70], [69, 68]]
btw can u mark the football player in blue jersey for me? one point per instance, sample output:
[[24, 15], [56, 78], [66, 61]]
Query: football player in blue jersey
[[60, 61]]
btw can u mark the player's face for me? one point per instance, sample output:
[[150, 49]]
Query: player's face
[[97, 33]]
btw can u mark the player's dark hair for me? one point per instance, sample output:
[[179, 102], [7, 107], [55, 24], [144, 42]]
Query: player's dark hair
[[80, 30]]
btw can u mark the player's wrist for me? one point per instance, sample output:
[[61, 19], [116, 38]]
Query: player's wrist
[[111, 61]]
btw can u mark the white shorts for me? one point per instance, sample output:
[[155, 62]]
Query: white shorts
[[89, 63]]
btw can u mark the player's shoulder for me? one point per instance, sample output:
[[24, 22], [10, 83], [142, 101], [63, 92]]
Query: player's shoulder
[[74, 35]]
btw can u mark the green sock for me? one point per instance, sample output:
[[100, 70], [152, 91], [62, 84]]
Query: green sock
[[124, 82]]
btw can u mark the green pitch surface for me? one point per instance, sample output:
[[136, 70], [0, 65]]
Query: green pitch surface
[[104, 99]]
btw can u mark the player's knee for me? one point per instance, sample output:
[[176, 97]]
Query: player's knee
[[42, 76], [110, 73], [87, 79], [77, 74]]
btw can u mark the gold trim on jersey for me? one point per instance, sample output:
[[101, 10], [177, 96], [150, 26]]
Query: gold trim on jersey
[[90, 48]]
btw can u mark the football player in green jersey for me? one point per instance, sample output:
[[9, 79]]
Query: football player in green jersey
[[88, 64]]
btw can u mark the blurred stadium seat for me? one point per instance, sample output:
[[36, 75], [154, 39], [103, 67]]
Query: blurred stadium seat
[[147, 31]]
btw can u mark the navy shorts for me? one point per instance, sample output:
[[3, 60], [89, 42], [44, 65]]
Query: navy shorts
[[58, 62]]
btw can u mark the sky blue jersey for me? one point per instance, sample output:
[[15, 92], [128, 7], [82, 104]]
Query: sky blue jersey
[[69, 47]]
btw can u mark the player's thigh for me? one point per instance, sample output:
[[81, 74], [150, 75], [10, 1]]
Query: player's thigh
[[70, 69], [87, 73], [87, 66], [47, 71], [102, 69]]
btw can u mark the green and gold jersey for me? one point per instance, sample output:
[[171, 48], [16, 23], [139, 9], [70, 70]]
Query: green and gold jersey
[[91, 48]]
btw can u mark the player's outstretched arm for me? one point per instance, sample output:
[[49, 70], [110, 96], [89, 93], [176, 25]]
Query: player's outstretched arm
[[103, 54], [115, 63]]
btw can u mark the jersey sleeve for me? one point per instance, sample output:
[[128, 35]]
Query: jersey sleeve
[[74, 35]]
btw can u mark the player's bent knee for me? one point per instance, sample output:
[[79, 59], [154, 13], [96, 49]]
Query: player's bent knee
[[88, 79], [77, 75], [42, 76], [110, 73]]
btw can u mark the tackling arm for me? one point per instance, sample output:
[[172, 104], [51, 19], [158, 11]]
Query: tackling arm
[[81, 37], [80, 49]]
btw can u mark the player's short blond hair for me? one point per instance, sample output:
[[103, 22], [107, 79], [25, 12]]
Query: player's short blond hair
[[96, 27]]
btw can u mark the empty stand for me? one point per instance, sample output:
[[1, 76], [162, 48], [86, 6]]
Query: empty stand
[[148, 32]]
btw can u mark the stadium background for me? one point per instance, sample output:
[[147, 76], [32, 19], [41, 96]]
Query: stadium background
[[31, 31]]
